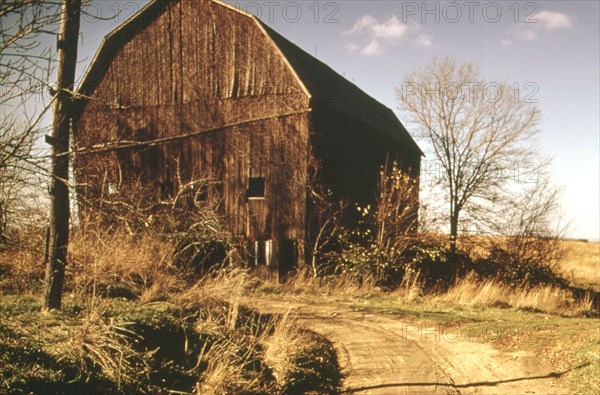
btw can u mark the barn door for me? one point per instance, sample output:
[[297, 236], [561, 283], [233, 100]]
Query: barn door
[[287, 257], [258, 230]]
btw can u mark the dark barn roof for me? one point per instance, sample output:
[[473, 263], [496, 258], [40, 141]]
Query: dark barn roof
[[326, 87], [330, 88]]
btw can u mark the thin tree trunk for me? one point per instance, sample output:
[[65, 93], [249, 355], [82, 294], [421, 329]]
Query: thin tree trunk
[[453, 231], [59, 222]]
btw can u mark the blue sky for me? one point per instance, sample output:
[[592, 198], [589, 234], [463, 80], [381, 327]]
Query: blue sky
[[549, 49]]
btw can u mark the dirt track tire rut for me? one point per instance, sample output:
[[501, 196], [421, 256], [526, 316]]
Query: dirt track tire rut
[[380, 356]]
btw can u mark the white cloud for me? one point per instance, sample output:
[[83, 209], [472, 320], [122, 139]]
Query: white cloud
[[390, 29], [352, 46], [538, 24], [371, 36], [374, 48], [424, 40], [506, 42], [527, 34], [364, 23], [554, 20]]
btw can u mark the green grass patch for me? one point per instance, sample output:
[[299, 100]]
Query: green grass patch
[[126, 347]]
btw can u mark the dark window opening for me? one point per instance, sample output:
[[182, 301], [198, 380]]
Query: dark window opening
[[201, 195], [256, 188]]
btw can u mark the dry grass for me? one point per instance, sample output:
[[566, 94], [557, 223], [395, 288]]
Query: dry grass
[[233, 364], [581, 264], [45, 351], [119, 264], [281, 349], [284, 355], [301, 360], [22, 267], [204, 346], [260, 354], [132, 322], [227, 285], [303, 282], [107, 347], [468, 291], [471, 291]]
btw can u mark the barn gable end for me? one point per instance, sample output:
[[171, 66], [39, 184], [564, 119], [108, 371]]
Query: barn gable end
[[229, 101]]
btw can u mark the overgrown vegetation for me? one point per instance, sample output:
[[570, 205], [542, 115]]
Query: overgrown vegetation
[[133, 322], [384, 247], [148, 311]]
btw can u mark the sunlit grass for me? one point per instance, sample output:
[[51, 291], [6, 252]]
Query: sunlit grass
[[581, 263]]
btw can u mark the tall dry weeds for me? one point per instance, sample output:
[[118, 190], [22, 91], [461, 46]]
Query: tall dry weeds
[[471, 291], [104, 263], [303, 282]]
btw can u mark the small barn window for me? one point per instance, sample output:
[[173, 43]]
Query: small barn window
[[256, 188], [201, 194]]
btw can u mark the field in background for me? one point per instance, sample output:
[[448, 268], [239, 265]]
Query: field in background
[[581, 265]]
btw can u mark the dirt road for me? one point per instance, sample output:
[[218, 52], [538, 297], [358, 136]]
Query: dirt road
[[385, 355]]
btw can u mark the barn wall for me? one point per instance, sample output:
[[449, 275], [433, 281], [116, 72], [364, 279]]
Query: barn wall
[[351, 155], [197, 66]]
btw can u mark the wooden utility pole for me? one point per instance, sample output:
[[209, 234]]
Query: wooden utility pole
[[60, 209]]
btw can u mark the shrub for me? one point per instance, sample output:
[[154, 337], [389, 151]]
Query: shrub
[[437, 268], [368, 262], [516, 271], [196, 253]]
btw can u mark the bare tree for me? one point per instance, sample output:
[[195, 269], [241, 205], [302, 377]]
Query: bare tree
[[477, 130], [25, 67], [529, 224], [14, 149]]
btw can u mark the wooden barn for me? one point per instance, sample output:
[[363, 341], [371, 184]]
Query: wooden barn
[[198, 90]]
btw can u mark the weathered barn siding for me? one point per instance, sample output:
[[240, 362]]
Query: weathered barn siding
[[349, 170], [184, 73], [249, 103]]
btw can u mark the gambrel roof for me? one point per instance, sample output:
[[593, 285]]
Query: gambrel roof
[[313, 75]]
